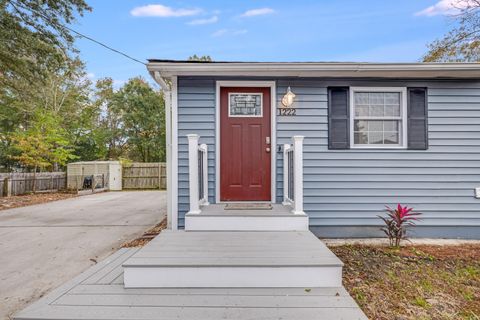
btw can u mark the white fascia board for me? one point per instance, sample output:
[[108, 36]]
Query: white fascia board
[[385, 70]]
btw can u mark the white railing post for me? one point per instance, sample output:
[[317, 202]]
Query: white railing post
[[298, 174], [204, 149], [193, 172], [286, 147]]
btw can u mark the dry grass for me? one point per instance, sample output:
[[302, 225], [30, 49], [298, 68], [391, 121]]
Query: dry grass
[[31, 199], [414, 282], [147, 236]]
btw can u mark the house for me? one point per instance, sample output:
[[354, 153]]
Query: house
[[258, 154], [372, 134]]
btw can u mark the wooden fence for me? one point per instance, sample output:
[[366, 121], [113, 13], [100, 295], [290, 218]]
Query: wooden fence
[[13, 184], [149, 175]]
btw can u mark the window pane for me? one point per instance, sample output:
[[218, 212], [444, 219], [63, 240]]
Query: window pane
[[360, 125], [392, 111], [376, 98], [245, 104], [375, 126], [361, 98], [392, 98], [361, 138], [376, 111], [391, 138], [361, 111], [375, 137], [390, 125]]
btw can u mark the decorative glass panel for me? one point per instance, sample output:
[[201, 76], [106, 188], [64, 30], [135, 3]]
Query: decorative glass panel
[[245, 104]]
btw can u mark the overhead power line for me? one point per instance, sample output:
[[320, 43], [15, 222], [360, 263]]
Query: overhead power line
[[79, 34]]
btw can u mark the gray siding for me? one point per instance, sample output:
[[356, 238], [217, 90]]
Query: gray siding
[[351, 187]]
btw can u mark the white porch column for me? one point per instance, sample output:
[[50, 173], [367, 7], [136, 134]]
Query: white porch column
[[298, 174], [285, 174], [204, 148], [193, 172]]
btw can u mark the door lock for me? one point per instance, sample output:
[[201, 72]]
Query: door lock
[[267, 140]]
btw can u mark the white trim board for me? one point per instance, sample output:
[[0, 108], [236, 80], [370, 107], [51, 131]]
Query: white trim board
[[273, 127], [174, 168]]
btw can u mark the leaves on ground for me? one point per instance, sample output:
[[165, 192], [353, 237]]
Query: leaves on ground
[[30, 199], [147, 236], [413, 282]]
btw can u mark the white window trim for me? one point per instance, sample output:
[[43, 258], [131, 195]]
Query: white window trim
[[403, 105], [273, 134], [246, 115]]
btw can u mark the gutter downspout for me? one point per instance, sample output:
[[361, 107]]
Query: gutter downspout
[[167, 92]]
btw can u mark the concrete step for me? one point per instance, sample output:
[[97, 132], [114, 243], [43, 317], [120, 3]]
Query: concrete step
[[233, 259], [216, 218]]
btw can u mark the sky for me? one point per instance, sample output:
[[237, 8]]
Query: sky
[[257, 30]]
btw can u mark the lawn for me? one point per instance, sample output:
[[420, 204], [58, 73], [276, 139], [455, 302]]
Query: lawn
[[414, 282]]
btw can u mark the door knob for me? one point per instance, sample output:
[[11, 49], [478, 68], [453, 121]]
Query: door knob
[[267, 149]]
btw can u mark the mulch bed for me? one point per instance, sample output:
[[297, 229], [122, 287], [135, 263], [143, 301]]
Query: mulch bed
[[414, 282], [30, 199], [147, 236]]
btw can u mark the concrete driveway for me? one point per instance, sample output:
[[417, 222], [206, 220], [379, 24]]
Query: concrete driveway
[[42, 246]]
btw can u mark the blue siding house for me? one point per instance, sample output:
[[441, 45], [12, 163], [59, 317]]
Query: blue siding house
[[333, 143]]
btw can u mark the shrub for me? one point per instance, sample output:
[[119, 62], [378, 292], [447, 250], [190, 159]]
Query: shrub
[[396, 223]]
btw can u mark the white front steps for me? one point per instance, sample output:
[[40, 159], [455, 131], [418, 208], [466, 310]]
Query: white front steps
[[215, 218], [233, 259]]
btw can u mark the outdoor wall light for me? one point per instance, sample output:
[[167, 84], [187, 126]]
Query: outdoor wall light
[[288, 98]]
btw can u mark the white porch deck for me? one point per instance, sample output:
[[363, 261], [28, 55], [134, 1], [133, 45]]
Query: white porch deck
[[99, 293], [214, 217]]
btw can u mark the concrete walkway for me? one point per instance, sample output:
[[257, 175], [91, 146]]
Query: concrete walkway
[[43, 246]]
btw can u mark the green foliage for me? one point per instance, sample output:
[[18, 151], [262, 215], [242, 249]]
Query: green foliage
[[143, 119], [462, 43], [33, 37], [43, 144], [200, 58]]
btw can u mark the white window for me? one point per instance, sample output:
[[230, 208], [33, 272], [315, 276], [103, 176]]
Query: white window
[[378, 117], [245, 104]]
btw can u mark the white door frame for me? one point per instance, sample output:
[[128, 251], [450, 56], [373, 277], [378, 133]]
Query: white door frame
[[273, 144]]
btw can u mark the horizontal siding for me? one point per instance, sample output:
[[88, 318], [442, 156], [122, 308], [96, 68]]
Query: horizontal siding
[[196, 114], [352, 187]]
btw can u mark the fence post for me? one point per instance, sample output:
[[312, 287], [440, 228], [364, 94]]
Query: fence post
[[298, 174], [159, 175], [7, 187], [193, 172]]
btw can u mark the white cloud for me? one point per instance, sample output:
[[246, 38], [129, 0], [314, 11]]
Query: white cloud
[[219, 33], [226, 32], [159, 10], [90, 75], [257, 12], [203, 21], [443, 7]]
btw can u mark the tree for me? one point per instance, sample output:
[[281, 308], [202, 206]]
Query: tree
[[200, 58], [33, 34], [43, 145], [143, 118], [462, 43]]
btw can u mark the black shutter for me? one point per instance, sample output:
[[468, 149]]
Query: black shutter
[[417, 113], [338, 118]]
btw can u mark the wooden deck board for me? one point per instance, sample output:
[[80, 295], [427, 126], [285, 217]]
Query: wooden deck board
[[214, 248], [86, 300]]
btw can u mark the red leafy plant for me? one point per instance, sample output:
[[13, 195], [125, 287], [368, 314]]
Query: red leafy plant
[[396, 223]]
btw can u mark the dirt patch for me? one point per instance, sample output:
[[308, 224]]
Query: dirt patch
[[31, 199], [147, 236], [414, 282]]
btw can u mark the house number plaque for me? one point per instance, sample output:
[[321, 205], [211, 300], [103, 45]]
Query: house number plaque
[[287, 111]]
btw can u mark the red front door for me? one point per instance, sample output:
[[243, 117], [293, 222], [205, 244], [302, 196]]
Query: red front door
[[245, 149]]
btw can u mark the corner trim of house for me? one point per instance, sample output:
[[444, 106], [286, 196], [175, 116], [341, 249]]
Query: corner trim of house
[[174, 193], [273, 99]]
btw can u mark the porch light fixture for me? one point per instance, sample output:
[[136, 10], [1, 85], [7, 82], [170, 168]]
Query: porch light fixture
[[288, 98]]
